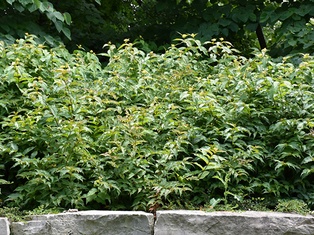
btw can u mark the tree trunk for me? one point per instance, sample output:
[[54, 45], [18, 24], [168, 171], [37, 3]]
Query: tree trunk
[[260, 36]]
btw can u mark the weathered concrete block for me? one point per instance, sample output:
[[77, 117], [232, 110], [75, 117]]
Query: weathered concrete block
[[4, 226], [88, 223], [230, 223]]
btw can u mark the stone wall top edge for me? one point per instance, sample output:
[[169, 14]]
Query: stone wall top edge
[[232, 213], [105, 212], [93, 213]]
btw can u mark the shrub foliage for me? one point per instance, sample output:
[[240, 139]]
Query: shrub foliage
[[198, 123]]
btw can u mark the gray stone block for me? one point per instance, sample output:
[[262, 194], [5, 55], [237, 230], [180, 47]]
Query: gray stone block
[[88, 223], [4, 226], [230, 223]]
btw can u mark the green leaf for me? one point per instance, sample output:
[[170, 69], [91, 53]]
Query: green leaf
[[34, 154], [91, 195], [14, 147], [32, 8], [78, 177], [58, 24], [27, 150], [58, 16], [214, 202], [4, 182], [234, 27], [224, 22], [37, 3], [67, 18], [265, 16], [184, 95], [286, 14], [274, 89], [46, 6], [203, 174], [243, 17], [10, 1], [18, 7], [67, 32], [307, 160], [306, 172]]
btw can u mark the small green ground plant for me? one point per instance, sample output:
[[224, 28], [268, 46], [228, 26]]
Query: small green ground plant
[[15, 214], [198, 123], [295, 206]]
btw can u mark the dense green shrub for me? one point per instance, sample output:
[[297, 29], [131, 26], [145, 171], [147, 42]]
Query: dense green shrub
[[197, 124]]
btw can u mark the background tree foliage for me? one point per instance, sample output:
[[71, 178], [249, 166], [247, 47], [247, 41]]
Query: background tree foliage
[[288, 24], [27, 16]]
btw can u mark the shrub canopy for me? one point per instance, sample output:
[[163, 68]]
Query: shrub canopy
[[198, 123]]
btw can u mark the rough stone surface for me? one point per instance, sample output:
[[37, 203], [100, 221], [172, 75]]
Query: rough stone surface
[[167, 223], [229, 223], [4, 226], [87, 223]]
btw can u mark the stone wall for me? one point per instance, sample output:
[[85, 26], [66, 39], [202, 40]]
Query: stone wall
[[175, 222]]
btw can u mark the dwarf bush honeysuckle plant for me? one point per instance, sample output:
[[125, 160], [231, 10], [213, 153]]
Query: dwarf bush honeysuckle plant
[[198, 123]]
